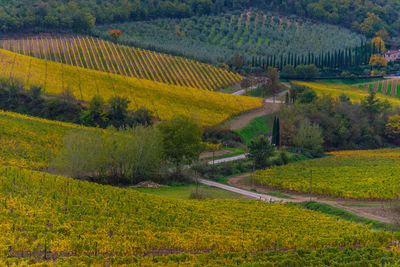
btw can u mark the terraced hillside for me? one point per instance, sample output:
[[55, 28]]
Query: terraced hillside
[[96, 54], [164, 100]]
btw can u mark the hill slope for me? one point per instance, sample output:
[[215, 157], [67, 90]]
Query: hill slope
[[96, 54], [29, 142], [364, 174], [256, 35], [63, 216], [354, 93], [164, 100]]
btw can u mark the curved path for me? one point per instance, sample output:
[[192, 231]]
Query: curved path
[[297, 198], [270, 106], [242, 192], [241, 156]]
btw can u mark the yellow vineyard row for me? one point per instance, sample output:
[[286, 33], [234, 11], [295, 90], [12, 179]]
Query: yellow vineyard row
[[97, 54], [164, 100], [42, 212], [359, 174]]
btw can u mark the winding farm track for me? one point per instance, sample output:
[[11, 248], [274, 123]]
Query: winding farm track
[[270, 106], [377, 213], [242, 192]]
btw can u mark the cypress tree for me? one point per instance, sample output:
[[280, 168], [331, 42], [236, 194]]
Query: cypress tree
[[278, 133], [273, 140]]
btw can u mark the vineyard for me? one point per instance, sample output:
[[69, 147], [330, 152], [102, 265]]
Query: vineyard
[[365, 174], [29, 142], [389, 87], [368, 256], [164, 100], [53, 216], [355, 93], [96, 54], [257, 35]]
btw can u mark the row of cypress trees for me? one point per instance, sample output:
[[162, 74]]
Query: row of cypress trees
[[342, 58]]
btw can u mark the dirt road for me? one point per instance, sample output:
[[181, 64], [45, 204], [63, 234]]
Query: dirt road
[[243, 192], [378, 210], [270, 106]]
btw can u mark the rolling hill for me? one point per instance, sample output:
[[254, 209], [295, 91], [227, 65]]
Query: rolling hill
[[164, 100], [51, 217], [96, 54], [256, 35]]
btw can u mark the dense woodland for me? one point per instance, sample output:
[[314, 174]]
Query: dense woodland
[[367, 16]]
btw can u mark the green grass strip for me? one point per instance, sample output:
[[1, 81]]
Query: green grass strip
[[398, 90], [256, 127], [370, 86], [389, 89], [380, 86]]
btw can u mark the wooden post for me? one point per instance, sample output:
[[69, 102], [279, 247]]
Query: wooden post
[[310, 183]]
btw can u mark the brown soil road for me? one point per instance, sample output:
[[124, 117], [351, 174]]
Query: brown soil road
[[382, 212], [269, 107]]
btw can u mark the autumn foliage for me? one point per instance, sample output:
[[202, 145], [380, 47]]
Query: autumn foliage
[[392, 129], [378, 60], [115, 34]]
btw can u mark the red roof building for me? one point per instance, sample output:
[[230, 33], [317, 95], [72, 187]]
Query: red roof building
[[392, 56]]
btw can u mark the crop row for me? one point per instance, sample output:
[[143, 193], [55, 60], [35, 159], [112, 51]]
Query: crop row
[[164, 100], [97, 54], [44, 213], [390, 87], [250, 33], [367, 174], [30, 142], [368, 256], [354, 93]]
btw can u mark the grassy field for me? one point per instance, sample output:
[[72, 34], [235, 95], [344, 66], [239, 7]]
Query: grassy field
[[258, 126], [352, 81], [185, 191], [258, 92]]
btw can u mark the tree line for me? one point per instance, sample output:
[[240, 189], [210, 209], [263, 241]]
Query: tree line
[[367, 16], [64, 107], [340, 58]]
